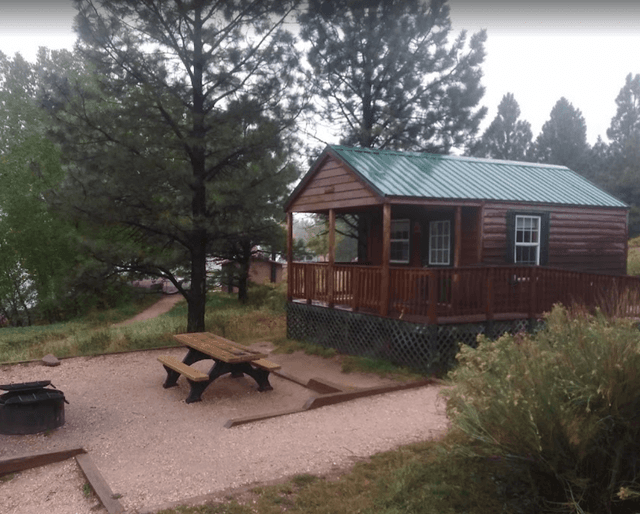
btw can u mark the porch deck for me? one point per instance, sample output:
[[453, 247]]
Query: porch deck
[[459, 295]]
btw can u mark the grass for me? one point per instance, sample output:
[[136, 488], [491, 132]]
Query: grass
[[246, 324], [95, 334], [87, 490], [424, 478]]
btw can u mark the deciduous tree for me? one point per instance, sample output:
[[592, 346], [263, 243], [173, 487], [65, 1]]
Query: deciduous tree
[[36, 248]]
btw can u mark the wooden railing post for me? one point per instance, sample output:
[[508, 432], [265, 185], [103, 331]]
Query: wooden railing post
[[533, 281], [355, 287], [488, 306], [308, 287], [332, 256], [432, 311], [290, 274], [386, 256]]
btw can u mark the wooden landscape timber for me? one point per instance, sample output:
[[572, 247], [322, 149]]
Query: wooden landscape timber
[[99, 484], [331, 394], [34, 460], [85, 462]]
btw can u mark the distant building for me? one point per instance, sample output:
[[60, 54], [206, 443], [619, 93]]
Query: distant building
[[262, 270]]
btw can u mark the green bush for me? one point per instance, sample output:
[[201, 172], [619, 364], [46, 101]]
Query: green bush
[[559, 409], [269, 296]]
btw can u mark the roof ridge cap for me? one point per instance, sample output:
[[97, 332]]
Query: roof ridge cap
[[429, 155]]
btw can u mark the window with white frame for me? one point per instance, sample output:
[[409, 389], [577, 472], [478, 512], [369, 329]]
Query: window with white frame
[[400, 230], [527, 240], [440, 242]]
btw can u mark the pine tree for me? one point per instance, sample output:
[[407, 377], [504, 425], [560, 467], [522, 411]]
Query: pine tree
[[563, 139], [387, 77], [623, 177], [626, 122], [507, 137], [183, 97]]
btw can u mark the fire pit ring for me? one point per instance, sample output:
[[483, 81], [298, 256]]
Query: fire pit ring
[[30, 408]]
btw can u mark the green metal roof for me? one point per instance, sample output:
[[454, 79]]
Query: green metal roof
[[393, 173]]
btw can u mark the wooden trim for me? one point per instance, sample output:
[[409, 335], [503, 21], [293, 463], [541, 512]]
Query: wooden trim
[[457, 252], [289, 255], [386, 256], [342, 204]]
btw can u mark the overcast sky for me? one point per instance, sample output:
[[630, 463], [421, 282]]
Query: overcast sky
[[539, 50]]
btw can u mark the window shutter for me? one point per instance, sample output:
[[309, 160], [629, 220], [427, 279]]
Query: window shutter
[[511, 234], [544, 238]]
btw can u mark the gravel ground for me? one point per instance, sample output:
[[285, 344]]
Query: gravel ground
[[152, 448]]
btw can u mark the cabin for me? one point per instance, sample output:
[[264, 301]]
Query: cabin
[[262, 270], [448, 247]]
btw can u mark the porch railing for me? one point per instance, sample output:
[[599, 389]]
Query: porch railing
[[471, 293]]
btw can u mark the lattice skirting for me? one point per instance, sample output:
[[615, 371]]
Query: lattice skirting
[[427, 348]]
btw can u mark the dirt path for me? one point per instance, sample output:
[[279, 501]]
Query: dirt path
[[165, 304]]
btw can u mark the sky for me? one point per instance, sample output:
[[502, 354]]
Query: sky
[[539, 50]]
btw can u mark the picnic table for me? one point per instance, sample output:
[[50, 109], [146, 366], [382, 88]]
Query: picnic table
[[228, 357]]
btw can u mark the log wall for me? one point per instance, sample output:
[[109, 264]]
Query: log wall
[[587, 239]]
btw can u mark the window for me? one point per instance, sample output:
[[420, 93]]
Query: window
[[400, 241], [439, 242], [527, 240]]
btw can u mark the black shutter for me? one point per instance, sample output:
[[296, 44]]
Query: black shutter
[[544, 238], [511, 235]]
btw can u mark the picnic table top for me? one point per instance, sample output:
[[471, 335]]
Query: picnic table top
[[218, 347]]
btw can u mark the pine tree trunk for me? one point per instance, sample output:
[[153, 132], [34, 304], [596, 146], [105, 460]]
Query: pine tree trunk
[[198, 242], [197, 298], [243, 275]]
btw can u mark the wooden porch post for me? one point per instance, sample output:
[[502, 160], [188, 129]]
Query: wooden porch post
[[332, 255], [386, 256], [289, 256]]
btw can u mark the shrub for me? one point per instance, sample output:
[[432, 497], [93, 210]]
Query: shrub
[[270, 296], [560, 409]]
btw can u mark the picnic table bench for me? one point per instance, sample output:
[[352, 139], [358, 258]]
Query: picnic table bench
[[228, 357]]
